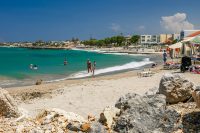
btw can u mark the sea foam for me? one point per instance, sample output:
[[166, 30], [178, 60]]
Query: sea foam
[[130, 65]]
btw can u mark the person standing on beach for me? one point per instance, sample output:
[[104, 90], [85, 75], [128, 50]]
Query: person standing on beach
[[93, 67], [164, 57]]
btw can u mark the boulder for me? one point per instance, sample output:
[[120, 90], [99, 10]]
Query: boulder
[[108, 115], [39, 82], [152, 91], [175, 88], [85, 127], [196, 96], [63, 120], [97, 128], [91, 118], [145, 114], [8, 106]]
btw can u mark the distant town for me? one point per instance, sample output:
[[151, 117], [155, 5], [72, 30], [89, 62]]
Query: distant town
[[115, 41]]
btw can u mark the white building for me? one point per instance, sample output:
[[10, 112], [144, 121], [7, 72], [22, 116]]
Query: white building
[[149, 39]]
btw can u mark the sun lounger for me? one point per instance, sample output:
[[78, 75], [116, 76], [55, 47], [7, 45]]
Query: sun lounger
[[171, 65], [195, 69], [145, 74]]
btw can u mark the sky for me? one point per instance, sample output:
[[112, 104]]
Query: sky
[[31, 20]]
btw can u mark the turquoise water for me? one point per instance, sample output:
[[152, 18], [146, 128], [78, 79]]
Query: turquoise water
[[14, 62]]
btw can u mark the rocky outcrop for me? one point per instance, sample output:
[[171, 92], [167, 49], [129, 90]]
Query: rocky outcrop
[[108, 115], [152, 91], [39, 82], [52, 121], [63, 120], [191, 122], [175, 88], [145, 114], [8, 107], [196, 96], [96, 127]]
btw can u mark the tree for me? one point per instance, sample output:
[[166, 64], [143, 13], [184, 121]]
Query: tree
[[174, 41], [116, 40], [135, 39]]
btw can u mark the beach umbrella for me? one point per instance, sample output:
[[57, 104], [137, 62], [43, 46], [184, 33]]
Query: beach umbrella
[[187, 39], [196, 40], [176, 45]]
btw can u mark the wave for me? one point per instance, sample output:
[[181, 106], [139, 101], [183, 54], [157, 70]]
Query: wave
[[130, 65], [108, 52], [83, 74], [118, 53], [87, 50]]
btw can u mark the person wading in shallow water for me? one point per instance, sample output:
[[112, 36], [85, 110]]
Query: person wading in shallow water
[[65, 62], [89, 66], [93, 67]]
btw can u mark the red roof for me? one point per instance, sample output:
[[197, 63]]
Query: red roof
[[194, 34]]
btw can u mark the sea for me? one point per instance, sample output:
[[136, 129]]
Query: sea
[[15, 64]]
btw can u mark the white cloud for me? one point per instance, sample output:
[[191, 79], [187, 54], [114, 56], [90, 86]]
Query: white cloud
[[176, 23], [115, 27]]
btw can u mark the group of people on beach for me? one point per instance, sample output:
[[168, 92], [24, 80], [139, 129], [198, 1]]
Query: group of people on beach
[[91, 67]]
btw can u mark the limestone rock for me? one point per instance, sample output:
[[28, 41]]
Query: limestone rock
[[39, 82], [107, 116], [145, 114], [97, 128], [175, 88], [152, 91], [85, 127], [8, 107], [63, 120], [196, 96], [191, 122], [91, 118]]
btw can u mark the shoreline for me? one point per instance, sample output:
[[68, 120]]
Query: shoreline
[[117, 50], [57, 78], [30, 82], [59, 84], [101, 50]]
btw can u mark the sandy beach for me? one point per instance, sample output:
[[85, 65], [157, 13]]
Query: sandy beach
[[90, 95]]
